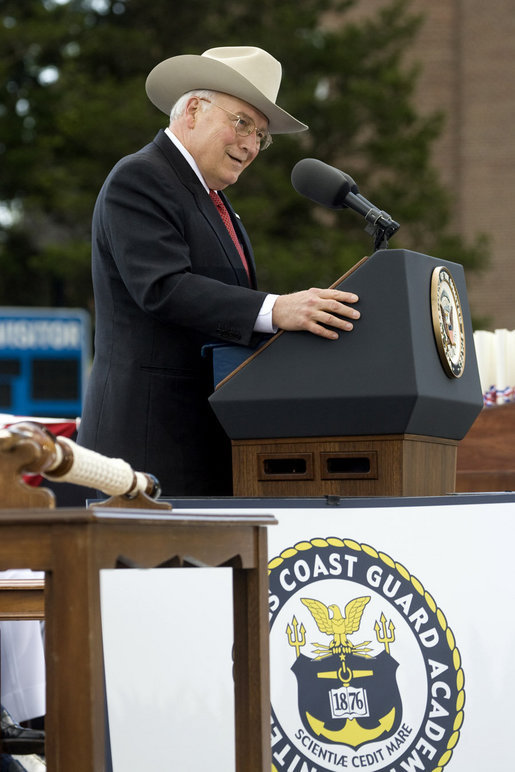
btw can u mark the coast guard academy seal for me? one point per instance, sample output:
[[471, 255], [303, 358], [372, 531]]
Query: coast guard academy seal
[[365, 669], [448, 322]]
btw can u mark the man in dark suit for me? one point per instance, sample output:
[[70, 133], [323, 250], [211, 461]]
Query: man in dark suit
[[169, 277]]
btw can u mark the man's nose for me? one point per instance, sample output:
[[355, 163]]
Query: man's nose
[[250, 142]]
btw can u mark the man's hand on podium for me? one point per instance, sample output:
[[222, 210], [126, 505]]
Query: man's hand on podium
[[316, 310]]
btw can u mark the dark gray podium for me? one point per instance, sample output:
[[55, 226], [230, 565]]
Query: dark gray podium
[[377, 412]]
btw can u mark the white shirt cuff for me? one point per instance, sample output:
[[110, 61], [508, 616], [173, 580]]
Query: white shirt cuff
[[263, 321]]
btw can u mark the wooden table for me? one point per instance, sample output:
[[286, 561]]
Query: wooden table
[[72, 546]]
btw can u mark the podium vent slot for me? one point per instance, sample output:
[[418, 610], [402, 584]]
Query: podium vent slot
[[352, 464], [283, 466], [349, 465]]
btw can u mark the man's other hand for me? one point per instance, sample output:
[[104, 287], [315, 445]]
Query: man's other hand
[[315, 310]]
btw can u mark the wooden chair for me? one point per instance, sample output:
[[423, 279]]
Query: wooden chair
[[22, 599]]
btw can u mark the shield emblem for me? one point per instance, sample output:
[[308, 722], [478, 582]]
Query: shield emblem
[[349, 701]]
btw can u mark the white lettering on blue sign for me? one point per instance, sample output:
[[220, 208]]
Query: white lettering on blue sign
[[37, 334]]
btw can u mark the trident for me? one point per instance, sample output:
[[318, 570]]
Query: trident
[[293, 635], [385, 638]]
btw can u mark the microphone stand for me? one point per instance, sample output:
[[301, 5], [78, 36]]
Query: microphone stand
[[381, 233], [381, 226]]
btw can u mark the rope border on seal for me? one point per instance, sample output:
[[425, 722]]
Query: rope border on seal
[[334, 541]]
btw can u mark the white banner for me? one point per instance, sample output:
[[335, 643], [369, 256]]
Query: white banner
[[391, 633]]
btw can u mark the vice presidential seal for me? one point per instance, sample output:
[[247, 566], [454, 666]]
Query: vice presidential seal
[[365, 669], [448, 322]]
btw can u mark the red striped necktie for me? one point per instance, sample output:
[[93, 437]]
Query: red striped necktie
[[224, 214]]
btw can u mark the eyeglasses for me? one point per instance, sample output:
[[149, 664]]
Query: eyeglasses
[[244, 126]]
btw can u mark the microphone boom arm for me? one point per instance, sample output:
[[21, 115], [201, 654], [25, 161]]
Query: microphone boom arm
[[381, 226]]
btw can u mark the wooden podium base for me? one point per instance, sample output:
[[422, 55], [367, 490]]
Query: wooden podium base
[[382, 465]]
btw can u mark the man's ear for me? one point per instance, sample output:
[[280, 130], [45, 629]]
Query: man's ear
[[192, 108]]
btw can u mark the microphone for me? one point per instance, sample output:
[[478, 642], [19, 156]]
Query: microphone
[[335, 189]]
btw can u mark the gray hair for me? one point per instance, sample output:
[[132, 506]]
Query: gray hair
[[180, 106]]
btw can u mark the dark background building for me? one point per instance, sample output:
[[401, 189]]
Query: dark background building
[[466, 49]]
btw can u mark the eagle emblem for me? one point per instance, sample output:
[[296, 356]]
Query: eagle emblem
[[330, 620], [447, 313]]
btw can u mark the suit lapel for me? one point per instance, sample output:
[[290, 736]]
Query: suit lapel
[[190, 180]]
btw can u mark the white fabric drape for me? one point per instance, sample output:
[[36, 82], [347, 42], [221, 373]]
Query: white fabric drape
[[495, 353]]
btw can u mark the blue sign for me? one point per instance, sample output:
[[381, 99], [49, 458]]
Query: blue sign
[[44, 359]]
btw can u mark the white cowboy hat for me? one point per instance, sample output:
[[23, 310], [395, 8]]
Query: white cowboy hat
[[245, 72]]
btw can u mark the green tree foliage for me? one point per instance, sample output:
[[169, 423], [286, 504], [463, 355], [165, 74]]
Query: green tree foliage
[[72, 102]]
